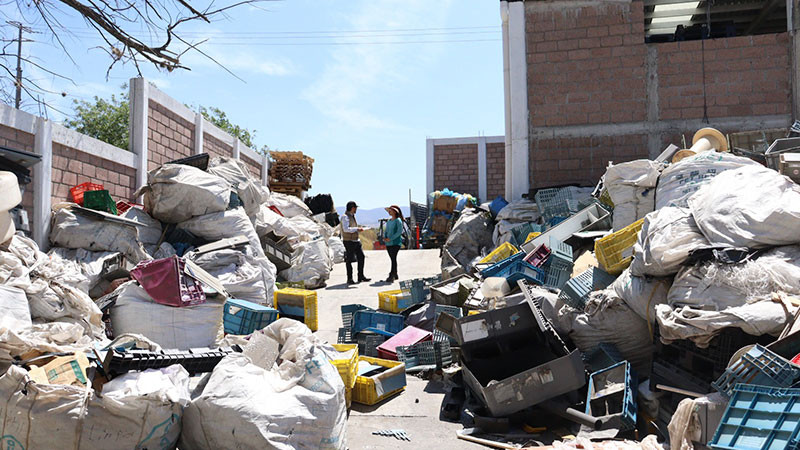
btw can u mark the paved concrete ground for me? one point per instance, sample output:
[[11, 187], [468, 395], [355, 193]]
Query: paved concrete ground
[[416, 409]]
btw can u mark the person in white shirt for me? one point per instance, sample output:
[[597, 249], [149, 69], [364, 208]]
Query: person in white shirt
[[352, 245]]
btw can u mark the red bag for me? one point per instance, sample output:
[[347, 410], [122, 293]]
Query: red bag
[[167, 282]]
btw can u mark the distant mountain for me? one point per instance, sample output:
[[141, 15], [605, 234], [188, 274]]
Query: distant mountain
[[372, 217]]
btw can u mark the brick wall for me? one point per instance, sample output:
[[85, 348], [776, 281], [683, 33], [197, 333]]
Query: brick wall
[[214, 147], [72, 167], [581, 160], [170, 137], [20, 140], [456, 168], [746, 76], [589, 66], [495, 170]]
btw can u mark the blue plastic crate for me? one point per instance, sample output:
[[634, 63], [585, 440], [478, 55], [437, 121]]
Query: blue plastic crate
[[760, 418], [612, 392], [576, 291], [522, 270], [378, 322], [420, 288], [759, 366], [243, 317], [346, 335], [497, 268], [497, 205]]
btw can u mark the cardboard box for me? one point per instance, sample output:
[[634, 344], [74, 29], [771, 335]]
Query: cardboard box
[[439, 224], [445, 203], [66, 370]]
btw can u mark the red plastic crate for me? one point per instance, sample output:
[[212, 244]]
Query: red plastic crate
[[77, 191], [123, 206], [167, 283], [538, 257], [407, 336]]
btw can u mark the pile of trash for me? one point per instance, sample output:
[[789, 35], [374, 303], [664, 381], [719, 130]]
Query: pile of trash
[[658, 302], [135, 324]]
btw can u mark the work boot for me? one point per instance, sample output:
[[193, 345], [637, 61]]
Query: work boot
[[363, 278], [389, 280], [349, 282]]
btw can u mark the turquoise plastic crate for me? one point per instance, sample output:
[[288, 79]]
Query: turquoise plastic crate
[[603, 399], [243, 317], [576, 291], [760, 418], [558, 267], [556, 202], [378, 322], [454, 311], [759, 366]]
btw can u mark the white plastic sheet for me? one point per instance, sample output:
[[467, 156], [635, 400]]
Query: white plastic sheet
[[174, 328], [752, 207], [282, 393], [243, 276], [16, 315], [337, 249], [56, 416], [176, 192], [666, 238]]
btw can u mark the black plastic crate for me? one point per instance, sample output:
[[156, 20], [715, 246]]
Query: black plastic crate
[[196, 360], [200, 161]]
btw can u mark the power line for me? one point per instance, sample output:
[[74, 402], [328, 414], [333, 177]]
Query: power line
[[295, 33], [18, 81]]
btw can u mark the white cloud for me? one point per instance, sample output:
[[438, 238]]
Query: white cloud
[[240, 62], [359, 74]]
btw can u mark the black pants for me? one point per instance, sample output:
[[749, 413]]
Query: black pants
[[393, 250], [353, 252]]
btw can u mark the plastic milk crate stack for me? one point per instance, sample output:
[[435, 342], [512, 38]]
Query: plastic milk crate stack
[[664, 300]]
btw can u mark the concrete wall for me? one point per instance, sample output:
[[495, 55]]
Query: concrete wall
[[597, 93]]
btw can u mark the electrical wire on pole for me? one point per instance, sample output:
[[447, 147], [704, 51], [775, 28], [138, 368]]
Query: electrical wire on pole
[[18, 82]]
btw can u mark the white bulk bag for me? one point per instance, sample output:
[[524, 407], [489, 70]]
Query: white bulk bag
[[665, 240], [631, 187], [752, 207], [72, 230], [176, 192], [282, 393]]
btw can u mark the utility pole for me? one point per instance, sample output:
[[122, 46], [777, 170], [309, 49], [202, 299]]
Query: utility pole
[[18, 82]]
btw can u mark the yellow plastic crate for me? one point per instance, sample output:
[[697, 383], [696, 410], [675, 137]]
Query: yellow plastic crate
[[394, 301], [532, 235], [297, 303], [347, 367], [615, 251], [500, 253], [391, 382]]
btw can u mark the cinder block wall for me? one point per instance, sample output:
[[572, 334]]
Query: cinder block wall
[[170, 136], [456, 168], [72, 166], [495, 170], [598, 93]]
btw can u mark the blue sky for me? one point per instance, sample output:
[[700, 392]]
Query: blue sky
[[360, 107]]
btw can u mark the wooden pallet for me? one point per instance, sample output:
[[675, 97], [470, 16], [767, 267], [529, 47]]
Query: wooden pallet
[[295, 189]]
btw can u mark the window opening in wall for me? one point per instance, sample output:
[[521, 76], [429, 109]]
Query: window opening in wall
[[682, 20]]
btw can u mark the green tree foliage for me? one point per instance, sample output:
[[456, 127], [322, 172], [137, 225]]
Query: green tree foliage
[[220, 119], [106, 120]]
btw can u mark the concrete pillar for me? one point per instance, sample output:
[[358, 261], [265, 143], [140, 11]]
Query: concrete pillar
[[482, 168], [516, 81], [265, 169], [42, 182], [236, 148], [429, 165], [139, 99], [198, 133]]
